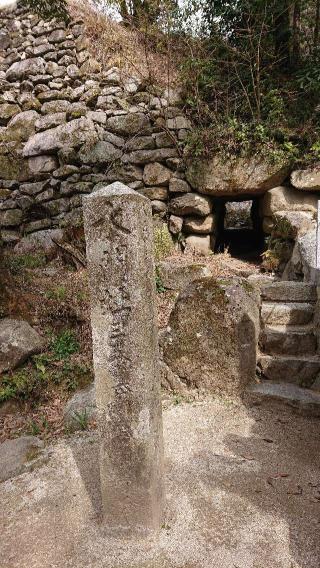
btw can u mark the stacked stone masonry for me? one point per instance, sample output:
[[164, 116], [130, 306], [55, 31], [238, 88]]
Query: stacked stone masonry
[[67, 126]]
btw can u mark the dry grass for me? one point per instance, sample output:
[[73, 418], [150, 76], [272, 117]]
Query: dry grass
[[136, 53]]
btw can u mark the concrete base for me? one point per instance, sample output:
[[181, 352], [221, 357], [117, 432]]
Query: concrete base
[[242, 491]]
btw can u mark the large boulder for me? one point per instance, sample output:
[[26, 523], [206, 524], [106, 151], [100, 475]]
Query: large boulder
[[71, 134], [22, 69], [251, 175], [211, 339], [18, 341], [308, 179], [287, 199], [21, 126]]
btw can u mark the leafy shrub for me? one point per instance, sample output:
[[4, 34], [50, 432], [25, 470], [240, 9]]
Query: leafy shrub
[[64, 345], [163, 243]]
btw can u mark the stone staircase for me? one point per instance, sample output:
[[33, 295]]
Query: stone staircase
[[288, 359]]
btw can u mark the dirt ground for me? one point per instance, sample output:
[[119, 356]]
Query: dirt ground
[[242, 489]]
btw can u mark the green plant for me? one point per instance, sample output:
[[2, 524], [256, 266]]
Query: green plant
[[82, 419], [159, 284], [59, 293], [64, 344], [16, 263], [48, 9], [163, 243]]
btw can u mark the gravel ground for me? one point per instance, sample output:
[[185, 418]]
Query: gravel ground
[[242, 485]]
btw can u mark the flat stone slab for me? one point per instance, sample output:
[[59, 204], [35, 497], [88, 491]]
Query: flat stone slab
[[17, 456], [299, 370], [288, 340], [289, 292], [18, 341], [228, 503], [274, 313], [304, 400]]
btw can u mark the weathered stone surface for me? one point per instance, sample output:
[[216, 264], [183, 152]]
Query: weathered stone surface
[[199, 244], [72, 133], [82, 403], [158, 207], [178, 276], [289, 292], [177, 185], [41, 241], [190, 204], [179, 122], [148, 156], [50, 120], [220, 177], [303, 265], [273, 393], [203, 225], [289, 224], [16, 456], [280, 340], [156, 174], [175, 224], [22, 69], [22, 126], [211, 338], [299, 370], [18, 340], [286, 314], [287, 199], [118, 229], [308, 180], [7, 111], [100, 153], [40, 166], [128, 124], [10, 218], [158, 193]]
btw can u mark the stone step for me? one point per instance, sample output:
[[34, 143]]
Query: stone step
[[271, 393], [298, 370], [288, 340], [273, 313], [287, 291]]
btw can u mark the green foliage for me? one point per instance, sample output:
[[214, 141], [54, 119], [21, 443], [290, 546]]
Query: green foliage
[[82, 419], [163, 243], [58, 293], [48, 9], [64, 344], [19, 262], [42, 373], [159, 284]]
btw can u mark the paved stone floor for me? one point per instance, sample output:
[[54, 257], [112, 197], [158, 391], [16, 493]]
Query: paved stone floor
[[243, 491]]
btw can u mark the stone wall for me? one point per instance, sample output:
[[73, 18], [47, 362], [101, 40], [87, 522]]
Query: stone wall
[[66, 126]]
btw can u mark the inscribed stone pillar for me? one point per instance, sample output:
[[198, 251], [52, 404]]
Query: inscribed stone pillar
[[118, 227]]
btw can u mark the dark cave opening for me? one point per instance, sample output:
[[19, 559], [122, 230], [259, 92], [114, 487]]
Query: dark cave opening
[[239, 228]]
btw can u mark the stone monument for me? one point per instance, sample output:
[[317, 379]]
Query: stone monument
[[118, 227]]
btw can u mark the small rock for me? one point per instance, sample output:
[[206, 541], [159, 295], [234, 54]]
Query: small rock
[[156, 174], [199, 244], [82, 402], [18, 341]]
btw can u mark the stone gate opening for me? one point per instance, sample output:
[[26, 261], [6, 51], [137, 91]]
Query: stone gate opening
[[239, 228]]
